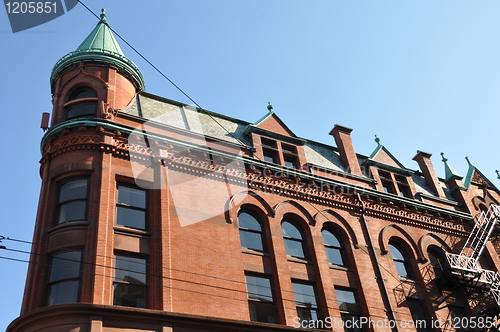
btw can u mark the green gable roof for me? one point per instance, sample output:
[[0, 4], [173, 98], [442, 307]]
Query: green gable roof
[[449, 172], [100, 46]]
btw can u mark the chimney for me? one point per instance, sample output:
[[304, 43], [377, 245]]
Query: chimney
[[342, 136], [424, 162]]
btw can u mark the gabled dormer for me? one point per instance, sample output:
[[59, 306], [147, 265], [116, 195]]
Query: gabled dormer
[[275, 142], [392, 176]]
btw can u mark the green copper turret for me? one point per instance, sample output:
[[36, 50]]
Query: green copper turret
[[100, 46]]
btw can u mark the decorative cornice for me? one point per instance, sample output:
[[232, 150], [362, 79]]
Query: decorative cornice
[[259, 175]]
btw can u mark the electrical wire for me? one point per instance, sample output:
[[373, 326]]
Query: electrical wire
[[318, 308], [165, 76], [272, 289]]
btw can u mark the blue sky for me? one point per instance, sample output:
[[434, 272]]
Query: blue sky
[[422, 75]]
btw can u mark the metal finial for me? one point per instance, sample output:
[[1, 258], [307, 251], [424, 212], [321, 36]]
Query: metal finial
[[498, 174], [103, 15], [444, 158], [468, 161], [377, 140], [270, 107]]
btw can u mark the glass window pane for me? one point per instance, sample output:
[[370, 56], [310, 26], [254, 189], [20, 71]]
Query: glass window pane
[[269, 158], [251, 240], [83, 94], [130, 269], [65, 265], [63, 292], [396, 254], [334, 256], [304, 295], [76, 189], [259, 289], [130, 217], [246, 220], [290, 230], [72, 211], [354, 325], [129, 295], [132, 197], [330, 239], [262, 312], [419, 315], [81, 109], [290, 163], [294, 248], [307, 314], [401, 268], [347, 301]]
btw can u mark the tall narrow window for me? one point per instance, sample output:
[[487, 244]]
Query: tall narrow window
[[349, 309], [82, 103], [131, 207], [401, 262], [305, 300], [419, 315], [130, 282], [294, 241], [250, 232], [72, 201], [260, 299], [64, 278], [333, 248], [403, 188], [437, 262], [289, 155]]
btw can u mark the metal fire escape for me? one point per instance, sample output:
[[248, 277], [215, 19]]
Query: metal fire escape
[[466, 265]]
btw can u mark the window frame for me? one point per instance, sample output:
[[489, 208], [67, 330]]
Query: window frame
[[289, 239], [74, 101], [405, 262], [347, 313], [301, 307], [259, 303], [414, 315], [51, 283], [60, 203], [116, 282], [245, 230], [118, 205], [278, 152], [340, 249], [395, 184]]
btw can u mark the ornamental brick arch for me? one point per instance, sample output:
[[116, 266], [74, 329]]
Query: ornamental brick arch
[[246, 198], [393, 231], [292, 207], [428, 240], [331, 220]]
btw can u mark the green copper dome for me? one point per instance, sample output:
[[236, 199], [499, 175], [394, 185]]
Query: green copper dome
[[100, 46]]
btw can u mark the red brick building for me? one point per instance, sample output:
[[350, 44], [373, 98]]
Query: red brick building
[[157, 216]]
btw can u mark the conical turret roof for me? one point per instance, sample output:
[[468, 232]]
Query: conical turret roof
[[100, 46]]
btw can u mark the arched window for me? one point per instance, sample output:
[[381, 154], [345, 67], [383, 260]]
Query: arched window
[[333, 247], [437, 261], [82, 103], [294, 241], [250, 232], [400, 261]]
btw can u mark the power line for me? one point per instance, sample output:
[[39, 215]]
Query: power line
[[179, 280], [164, 76]]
